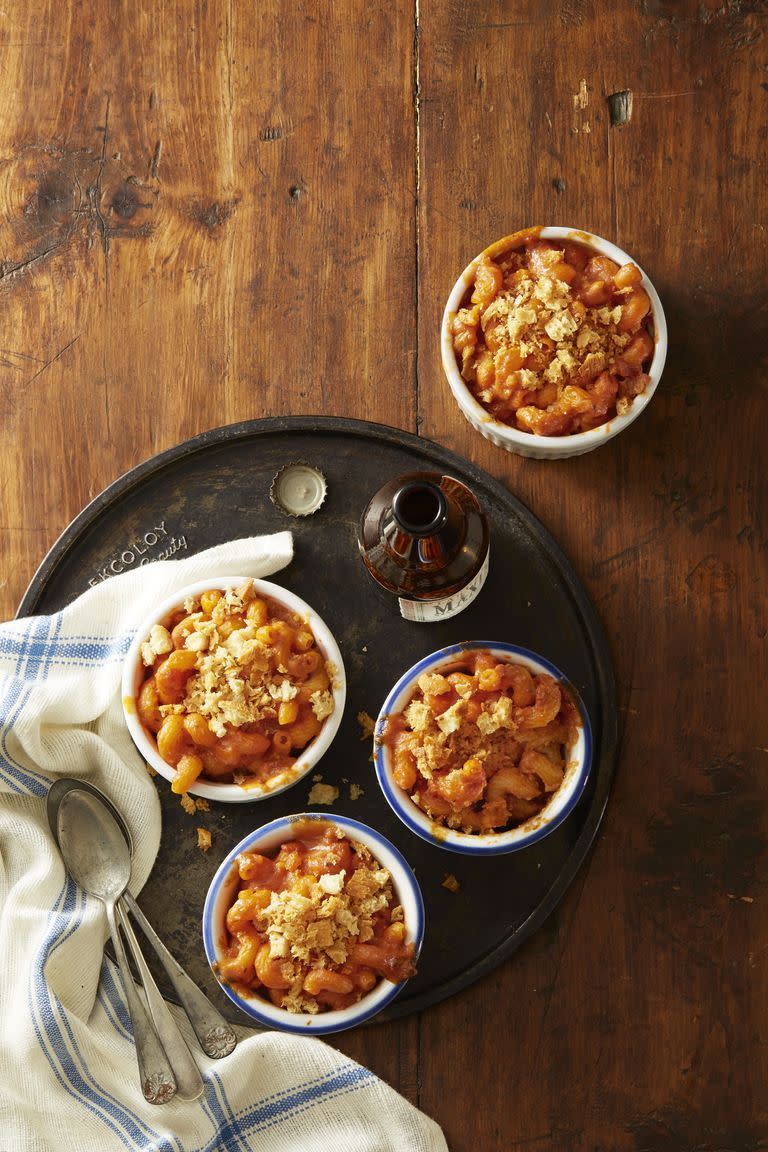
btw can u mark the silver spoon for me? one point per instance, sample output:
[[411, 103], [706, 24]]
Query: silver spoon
[[217, 1038], [98, 859]]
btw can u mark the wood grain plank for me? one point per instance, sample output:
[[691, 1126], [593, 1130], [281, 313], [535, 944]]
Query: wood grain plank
[[629, 1022], [196, 206]]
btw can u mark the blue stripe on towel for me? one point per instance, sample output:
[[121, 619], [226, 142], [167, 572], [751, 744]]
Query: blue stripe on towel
[[37, 652], [223, 1120], [20, 780], [111, 999], [269, 1112]]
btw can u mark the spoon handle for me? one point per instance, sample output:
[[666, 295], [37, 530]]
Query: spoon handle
[[157, 1080], [189, 1082], [216, 1037]]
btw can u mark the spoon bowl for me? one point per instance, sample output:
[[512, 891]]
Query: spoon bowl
[[93, 846], [60, 788]]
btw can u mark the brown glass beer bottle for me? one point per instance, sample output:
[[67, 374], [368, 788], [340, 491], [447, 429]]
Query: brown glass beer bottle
[[424, 538]]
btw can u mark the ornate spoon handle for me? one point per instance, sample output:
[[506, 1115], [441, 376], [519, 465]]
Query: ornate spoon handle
[[217, 1038], [158, 1083], [189, 1082]]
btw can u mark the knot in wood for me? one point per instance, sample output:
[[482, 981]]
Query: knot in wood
[[56, 197], [214, 215], [125, 202]]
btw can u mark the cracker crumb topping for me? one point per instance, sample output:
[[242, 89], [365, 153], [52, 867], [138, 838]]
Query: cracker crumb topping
[[233, 683], [322, 704], [158, 643], [318, 927], [193, 804], [535, 308]]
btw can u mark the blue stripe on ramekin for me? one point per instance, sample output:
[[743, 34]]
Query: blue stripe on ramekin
[[400, 804], [250, 1007]]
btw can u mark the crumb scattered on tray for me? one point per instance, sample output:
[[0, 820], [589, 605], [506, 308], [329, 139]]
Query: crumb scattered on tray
[[367, 725], [322, 794], [203, 839], [450, 882], [355, 791], [150, 769], [192, 804], [317, 777]]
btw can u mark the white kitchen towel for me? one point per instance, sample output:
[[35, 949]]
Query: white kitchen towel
[[68, 1074]]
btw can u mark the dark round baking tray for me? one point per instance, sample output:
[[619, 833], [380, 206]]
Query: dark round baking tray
[[215, 488]]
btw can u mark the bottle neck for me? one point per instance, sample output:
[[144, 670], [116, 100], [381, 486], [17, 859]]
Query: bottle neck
[[419, 508], [419, 517]]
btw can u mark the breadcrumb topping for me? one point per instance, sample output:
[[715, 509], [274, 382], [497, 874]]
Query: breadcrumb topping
[[193, 804], [158, 643], [537, 311], [367, 725], [318, 927], [322, 704], [233, 683]]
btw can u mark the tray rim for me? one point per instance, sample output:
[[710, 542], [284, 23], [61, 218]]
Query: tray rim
[[601, 654]]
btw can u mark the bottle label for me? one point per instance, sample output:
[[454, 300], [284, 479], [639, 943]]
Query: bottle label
[[431, 611]]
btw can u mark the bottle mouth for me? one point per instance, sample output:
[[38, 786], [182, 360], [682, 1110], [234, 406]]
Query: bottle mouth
[[419, 508]]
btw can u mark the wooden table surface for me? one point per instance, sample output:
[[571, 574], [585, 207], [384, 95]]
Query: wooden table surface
[[215, 211]]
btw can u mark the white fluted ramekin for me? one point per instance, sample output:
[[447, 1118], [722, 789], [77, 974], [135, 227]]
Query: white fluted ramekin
[[213, 789], [527, 443]]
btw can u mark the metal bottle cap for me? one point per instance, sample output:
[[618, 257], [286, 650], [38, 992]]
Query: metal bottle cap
[[298, 489]]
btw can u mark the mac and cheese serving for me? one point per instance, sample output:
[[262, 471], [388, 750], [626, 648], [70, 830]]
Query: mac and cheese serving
[[234, 688], [483, 745], [552, 338], [316, 926]]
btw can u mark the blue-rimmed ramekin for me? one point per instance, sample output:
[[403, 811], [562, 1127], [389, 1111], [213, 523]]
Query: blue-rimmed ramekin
[[267, 840], [491, 843]]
